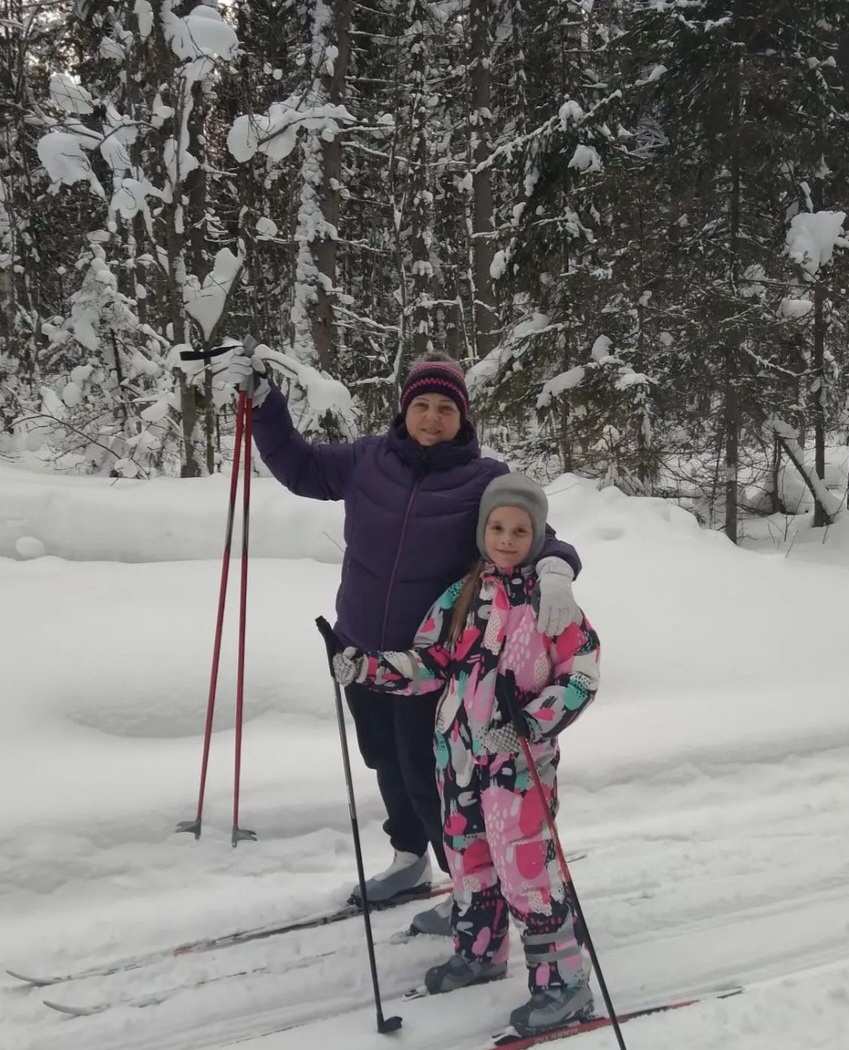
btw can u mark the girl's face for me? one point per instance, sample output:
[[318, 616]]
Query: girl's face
[[432, 419], [508, 536]]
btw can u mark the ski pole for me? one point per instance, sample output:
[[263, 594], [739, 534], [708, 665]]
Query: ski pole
[[243, 428], [239, 834], [506, 692], [388, 1024]]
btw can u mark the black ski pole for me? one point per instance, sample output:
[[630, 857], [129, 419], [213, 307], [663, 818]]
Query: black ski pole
[[384, 1024], [505, 690]]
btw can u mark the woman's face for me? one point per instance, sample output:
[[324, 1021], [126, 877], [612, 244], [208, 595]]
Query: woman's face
[[432, 418], [508, 536]]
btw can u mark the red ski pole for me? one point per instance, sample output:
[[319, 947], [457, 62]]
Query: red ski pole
[[245, 408], [194, 826], [243, 431], [506, 692]]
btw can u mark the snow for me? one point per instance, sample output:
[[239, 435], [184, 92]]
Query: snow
[[585, 158], [130, 196], [205, 302], [601, 348], [535, 323], [266, 227], [830, 500], [202, 32], [796, 495], [795, 308], [320, 393], [275, 133], [812, 237], [567, 380], [144, 13], [120, 132], [654, 74], [63, 156], [708, 781], [100, 519], [72, 395], [179, 162], [498, 266], [571, 110], [29, 547], [111, 49], [69, 95], [629, 378]]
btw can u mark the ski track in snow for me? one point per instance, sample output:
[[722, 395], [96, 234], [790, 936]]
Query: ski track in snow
[[664, 892]]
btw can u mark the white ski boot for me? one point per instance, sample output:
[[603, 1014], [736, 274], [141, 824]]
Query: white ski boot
[[407, 875]]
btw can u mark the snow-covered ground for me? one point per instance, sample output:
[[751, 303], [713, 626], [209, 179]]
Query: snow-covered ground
[[708, 783]]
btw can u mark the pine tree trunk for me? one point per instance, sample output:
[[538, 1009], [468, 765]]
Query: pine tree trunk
[[775, 471], [325, 248], [732, 443], [732, 386], [820, 516], [483, 244], [422, 209], [196, 212], [172, 228], [519, 93]]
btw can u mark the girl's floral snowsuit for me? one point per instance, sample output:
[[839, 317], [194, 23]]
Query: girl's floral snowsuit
[[496, 840]]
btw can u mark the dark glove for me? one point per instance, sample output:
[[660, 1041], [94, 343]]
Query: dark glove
[[507, 698]]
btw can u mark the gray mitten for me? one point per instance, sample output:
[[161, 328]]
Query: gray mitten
[[557, 605], [349, 666], [501, 740]]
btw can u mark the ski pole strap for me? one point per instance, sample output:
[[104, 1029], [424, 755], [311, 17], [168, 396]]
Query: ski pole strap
[[206, 355], [331, 640], [505, 694]]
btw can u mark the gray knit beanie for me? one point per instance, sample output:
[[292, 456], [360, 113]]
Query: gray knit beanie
[[515, 490]]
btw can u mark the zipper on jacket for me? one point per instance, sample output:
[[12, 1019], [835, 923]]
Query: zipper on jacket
[[416, 484]]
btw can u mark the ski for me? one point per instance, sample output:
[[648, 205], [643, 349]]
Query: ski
[[156, 998], [516, 1041], [347, 911], [509, 1037], [228, 940]]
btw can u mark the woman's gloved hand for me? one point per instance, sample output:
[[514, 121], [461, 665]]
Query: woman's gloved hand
[[246, 371]]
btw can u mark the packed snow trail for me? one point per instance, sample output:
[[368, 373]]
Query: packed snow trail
[[730, 928], [708, 783]]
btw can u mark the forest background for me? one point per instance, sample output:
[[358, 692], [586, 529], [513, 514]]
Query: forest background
[[625, 218]]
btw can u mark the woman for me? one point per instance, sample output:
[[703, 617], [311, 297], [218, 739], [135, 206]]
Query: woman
[[411, 508]]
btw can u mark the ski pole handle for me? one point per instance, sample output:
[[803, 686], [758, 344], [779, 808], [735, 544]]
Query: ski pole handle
[[505, 692], [206, 355], [249, 343], [330, 637]]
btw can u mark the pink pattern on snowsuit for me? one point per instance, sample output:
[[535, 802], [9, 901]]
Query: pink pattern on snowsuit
[[498, 846]]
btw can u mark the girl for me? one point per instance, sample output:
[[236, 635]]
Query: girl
[[499, 852]]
